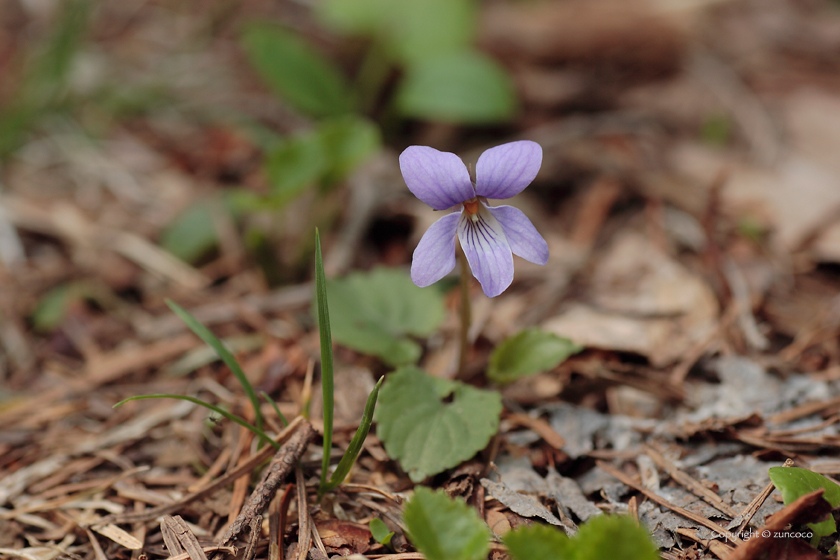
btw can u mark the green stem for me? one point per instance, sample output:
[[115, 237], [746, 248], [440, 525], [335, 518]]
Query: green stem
[[371, 78], [466, 313]]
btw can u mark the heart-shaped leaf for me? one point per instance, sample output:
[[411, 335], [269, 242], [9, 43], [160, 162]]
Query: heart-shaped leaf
[[426, 434]]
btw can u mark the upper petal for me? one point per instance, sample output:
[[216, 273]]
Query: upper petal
[[440, 179], [504, 171], [434, 256], [522, 236], [487, 251]]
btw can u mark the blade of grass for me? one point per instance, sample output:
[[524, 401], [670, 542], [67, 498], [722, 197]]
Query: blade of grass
[[326, 355], [208, 337], [356, 444], [232, 417], [275, 407]]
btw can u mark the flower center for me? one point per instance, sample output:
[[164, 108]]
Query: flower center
[[471, 208]]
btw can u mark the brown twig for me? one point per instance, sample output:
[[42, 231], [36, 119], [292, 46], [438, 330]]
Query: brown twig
[[281, 465]]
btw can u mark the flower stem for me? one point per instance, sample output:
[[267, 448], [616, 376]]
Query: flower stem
[[466, 313]]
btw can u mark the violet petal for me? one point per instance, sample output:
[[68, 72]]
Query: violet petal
[[522, 236], [504, 171], [440, 179], [487, 251], [434, 256]]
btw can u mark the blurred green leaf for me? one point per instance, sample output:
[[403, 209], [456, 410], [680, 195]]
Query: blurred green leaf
[[443, 528], [296, 71], [410, 30], [616, 537], [192, 234], [795, 482], [538, 542], [347, 142], [528, 352], [295, 164], [374, 312], [53, 306], [598, 537], [325, 155], [380, 531], [431, 424], [465, 87]]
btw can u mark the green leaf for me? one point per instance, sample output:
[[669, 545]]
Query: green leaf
[[443, 528], [465, 87], [380, 531], [347, 142], [325, 155], [295, 164], [191, 235], [355, 447], [411, 31], [372, 313], [295, 71], [528, 352], [539, 542], [426, 434], [209, 338], [233, 418], [616, 537], [53, 306], [327, 381], [795, 482]]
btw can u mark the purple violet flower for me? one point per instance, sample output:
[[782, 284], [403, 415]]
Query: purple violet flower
[[488, 234]]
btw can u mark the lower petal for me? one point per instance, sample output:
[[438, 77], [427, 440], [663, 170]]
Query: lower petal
[[434, 256], [522, 236], [487, 251]]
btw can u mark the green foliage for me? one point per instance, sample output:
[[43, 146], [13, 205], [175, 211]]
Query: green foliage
[[209, 338], [529, 351], [428, 435], [538, 542], [616, 537], [795, 482], [191, 235], [222, 412], [411, 31], [295, 71], [327, 384], [53, 306], [717, 130], [325, 155], [443, 528], [380, 532], [459, 87], [45, 77], [374, 312], [355, 447]]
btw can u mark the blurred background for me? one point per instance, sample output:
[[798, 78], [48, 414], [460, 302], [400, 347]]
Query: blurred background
[[153, 149]]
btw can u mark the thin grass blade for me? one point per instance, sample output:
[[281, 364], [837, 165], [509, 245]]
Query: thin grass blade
[[275, 407], [232, 417], [326, 356], [208, 337], [355, 447]]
